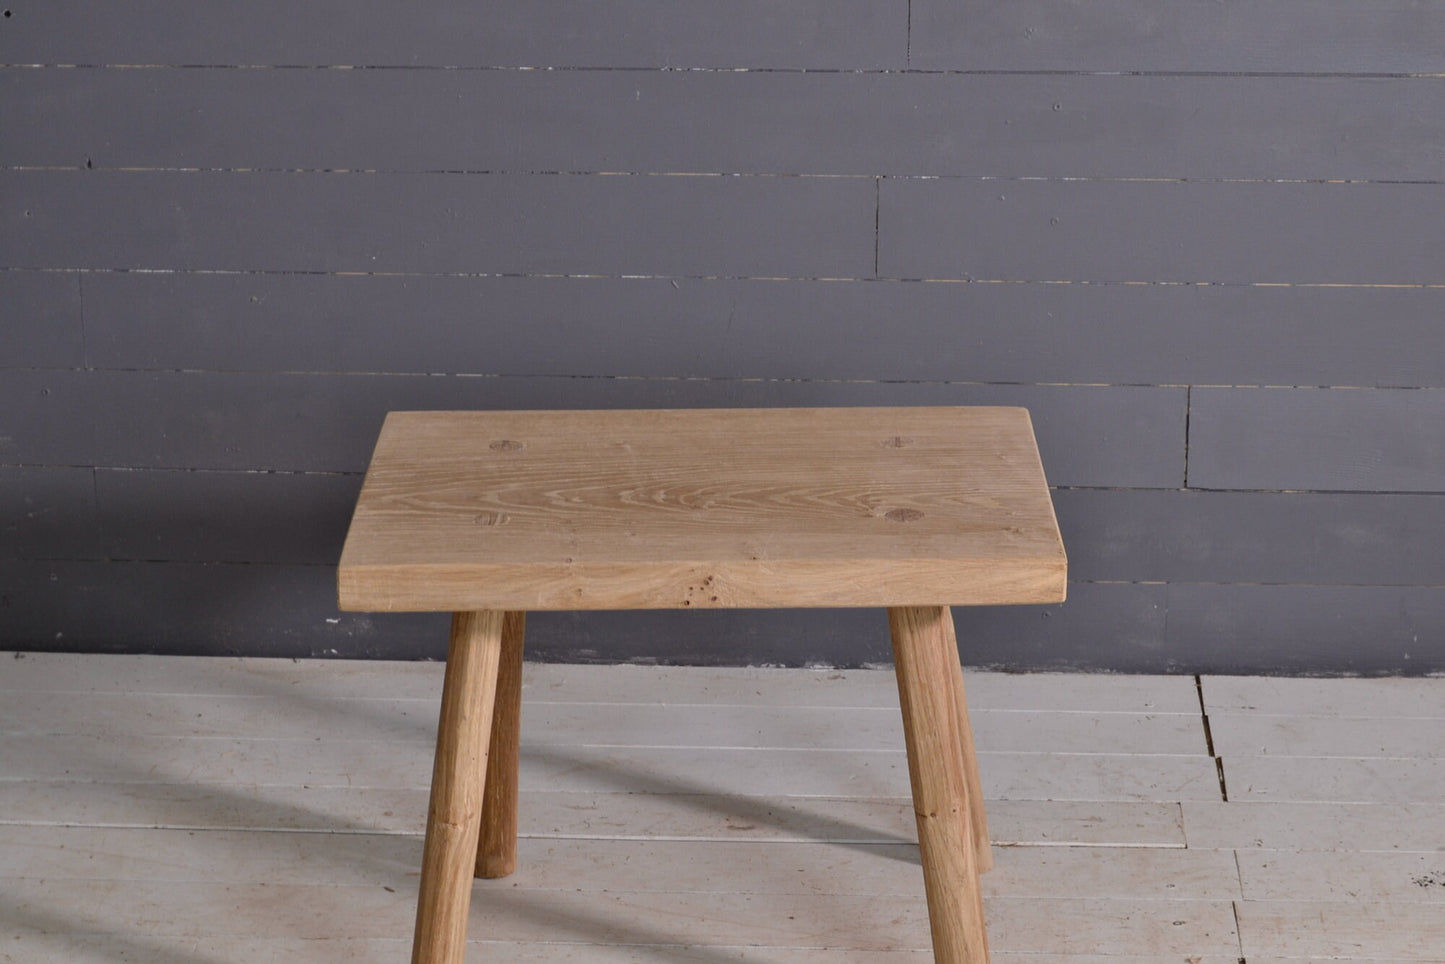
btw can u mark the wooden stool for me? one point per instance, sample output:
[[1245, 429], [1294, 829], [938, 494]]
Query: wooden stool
[[490, 514]]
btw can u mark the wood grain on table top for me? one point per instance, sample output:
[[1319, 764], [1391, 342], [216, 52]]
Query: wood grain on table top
[[716, 508]]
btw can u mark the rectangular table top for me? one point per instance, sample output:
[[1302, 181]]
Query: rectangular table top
[[703, 509]]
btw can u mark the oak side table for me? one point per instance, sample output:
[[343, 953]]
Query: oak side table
[[490, 514]]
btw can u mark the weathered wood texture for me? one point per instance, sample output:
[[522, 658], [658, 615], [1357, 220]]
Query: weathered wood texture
[[1129, 217], [452, 33], [764, 122], [1362, 441], [1260, 36], [301, 422], [717, 328], [930, 694], [497, 844], [1219, 232], [443, 223], [453, 822], [714, 509], [126, 836]]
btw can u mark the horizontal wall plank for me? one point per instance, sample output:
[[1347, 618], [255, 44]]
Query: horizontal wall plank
[[1380, 440], [1282, 35], [1088, 435], [1173, 231], [1116, 334], [849, 34], [196, 609], [757, 122], [183, 516], [46, 418], [1118, 626], [1263, 630], [1328, 36], [438, 223], [290, 611], [1253, 537], [48, 513], [42, 324]]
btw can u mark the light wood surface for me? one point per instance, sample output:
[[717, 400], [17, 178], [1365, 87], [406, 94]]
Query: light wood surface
[[703, 509], [983, 853], [926, 662], [497, 847], [230, 677], [143, 844], [454, 817]]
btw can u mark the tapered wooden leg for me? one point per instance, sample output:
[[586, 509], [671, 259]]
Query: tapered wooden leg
[[930, 694], [497, 848], [982, 852], [453, 820]]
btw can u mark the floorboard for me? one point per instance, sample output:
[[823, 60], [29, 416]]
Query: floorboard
[[205, 811]]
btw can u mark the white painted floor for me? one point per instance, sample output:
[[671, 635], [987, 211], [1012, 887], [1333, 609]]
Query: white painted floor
[[190, 811]]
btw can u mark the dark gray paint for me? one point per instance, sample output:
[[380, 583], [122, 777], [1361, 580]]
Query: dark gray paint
[[220, 419], [1162, 231], [1274, 36], [189, 516], [46, 418], [1117, 627], [1253, 537], [41, 326], [751, 122], [813, 34], [183, 608], [1312, 630], [289, 611], [1361, 440], [1105, 334], [328, 423], [48, 513], [1132, 617], [445, 223]]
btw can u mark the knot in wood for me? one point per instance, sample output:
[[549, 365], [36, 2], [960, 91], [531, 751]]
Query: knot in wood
[[506, 445], [903, 515]]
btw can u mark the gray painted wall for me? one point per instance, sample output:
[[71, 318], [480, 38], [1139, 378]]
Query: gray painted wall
[[1203, 242]]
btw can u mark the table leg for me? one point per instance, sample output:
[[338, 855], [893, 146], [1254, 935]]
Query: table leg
[[454, 818], [931, 696], [497, 849], [978, 816]]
